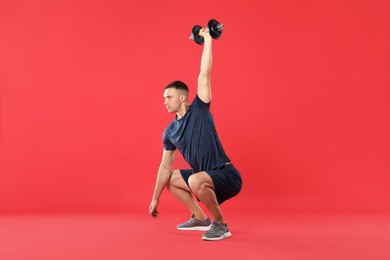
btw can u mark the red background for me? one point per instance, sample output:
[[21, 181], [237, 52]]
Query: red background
[[301, 101]]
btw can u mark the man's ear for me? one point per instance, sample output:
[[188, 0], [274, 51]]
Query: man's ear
[[182, 98]]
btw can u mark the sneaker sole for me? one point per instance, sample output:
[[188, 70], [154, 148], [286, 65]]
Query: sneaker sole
[[197, 228], [225, 235]]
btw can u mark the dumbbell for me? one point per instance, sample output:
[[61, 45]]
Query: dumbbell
[[215, 30]]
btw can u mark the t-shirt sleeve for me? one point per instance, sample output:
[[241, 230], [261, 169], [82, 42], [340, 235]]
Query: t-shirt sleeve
[[199, 104], [168, 145]]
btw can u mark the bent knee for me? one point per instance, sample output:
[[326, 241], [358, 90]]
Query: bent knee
[[198, 182], [193, 183]]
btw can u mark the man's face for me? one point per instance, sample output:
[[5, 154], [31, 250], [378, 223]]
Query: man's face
[[172, 100]]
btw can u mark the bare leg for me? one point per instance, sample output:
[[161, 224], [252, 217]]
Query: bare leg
[[180, 190], [203, 187]]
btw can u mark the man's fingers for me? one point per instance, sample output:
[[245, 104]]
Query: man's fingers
[[155, 214]]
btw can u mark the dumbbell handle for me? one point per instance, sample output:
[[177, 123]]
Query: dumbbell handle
[[220, 26]]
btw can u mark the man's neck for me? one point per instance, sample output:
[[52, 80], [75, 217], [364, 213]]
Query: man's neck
[[182, 112]]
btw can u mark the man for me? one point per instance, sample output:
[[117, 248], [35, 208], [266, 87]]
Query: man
[[213, 179]]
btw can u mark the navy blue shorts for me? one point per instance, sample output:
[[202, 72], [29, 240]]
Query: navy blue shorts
[[227, 181]]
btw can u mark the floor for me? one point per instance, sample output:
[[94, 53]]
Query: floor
[[136, 236]]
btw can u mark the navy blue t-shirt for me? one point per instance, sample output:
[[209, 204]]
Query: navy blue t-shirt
[[195, 136]]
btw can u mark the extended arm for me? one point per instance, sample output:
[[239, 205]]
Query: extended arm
[[163, 176], [204, 88]]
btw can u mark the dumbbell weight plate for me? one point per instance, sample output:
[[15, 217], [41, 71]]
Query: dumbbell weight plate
[[215, 28], [195, 35]]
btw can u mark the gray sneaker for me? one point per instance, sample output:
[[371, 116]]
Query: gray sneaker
[[195, 224], [217, 231]]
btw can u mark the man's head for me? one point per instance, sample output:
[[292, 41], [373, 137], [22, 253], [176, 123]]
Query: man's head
[[175, 96]]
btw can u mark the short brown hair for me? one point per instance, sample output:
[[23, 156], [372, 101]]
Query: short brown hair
[[178, 85]]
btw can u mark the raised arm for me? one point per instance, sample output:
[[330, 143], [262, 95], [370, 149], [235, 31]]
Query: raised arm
[[163, 176], [204, 88]]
